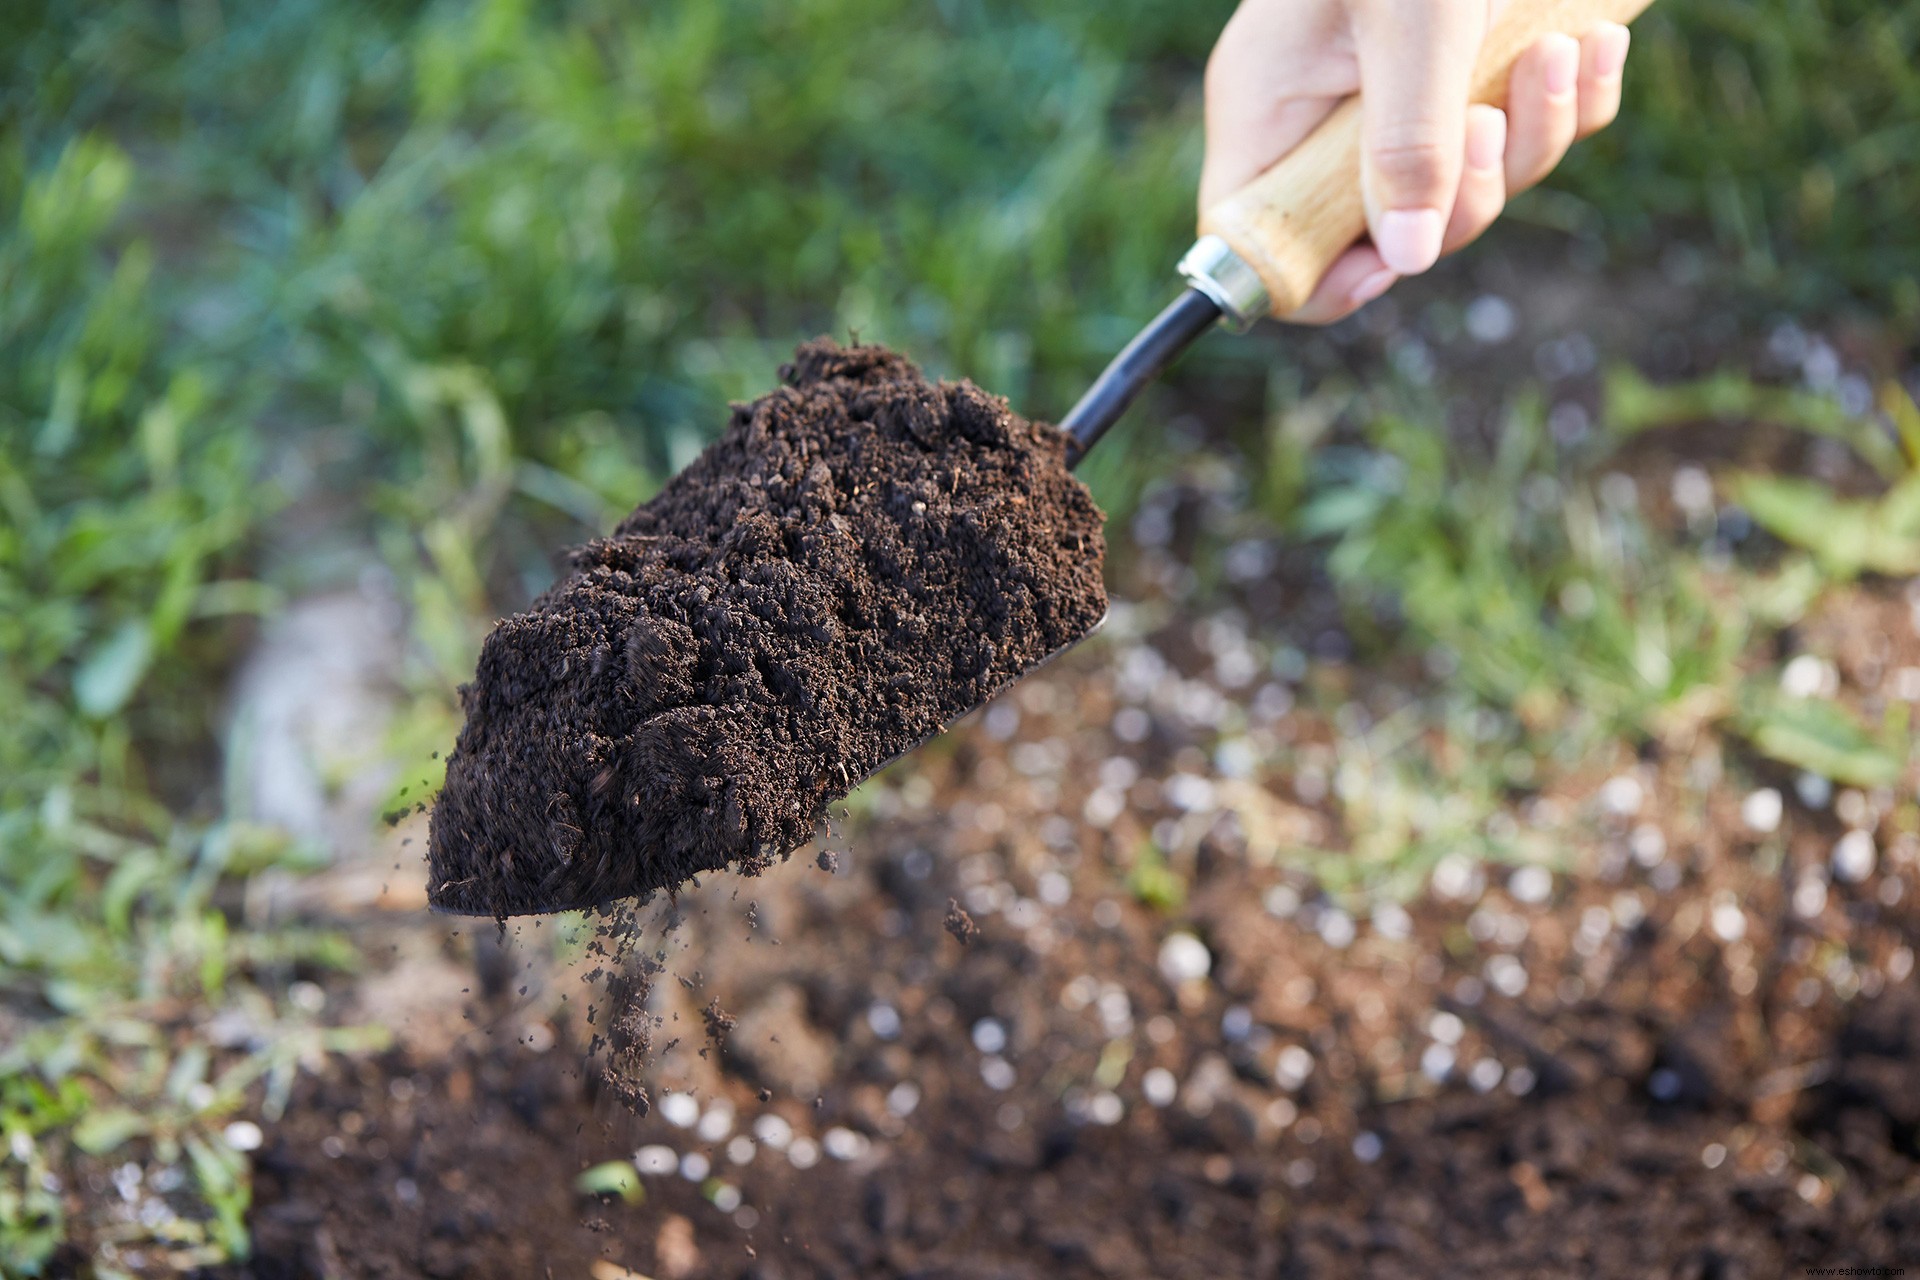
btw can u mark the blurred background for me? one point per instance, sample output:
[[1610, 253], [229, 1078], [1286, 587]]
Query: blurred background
[[324, 327]]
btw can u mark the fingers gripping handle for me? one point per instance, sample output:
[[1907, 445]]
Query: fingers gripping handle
[[1289, 224]]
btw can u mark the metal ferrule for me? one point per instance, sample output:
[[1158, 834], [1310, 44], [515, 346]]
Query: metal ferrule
[[1213, 268]]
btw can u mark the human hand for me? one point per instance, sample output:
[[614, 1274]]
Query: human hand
[[1435, 170]]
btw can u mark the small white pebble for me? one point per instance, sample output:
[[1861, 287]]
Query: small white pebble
[[1367, 1146], [1628, 910], [1457, 877], [1854, 857], [1436, 1062], [244, 1135], [1105, 1107], [997, 1072], [1390, 920], [1713, 1155], [1814, 791], [1159, 1087], [1292, 1067], [1189, 792], [1762, 810], [1103, 805], [1002, 721], [773, 1131], [1693, 491], [803, 1153], [1851, 807], [883, 1020], [1648, 844], [1485, 1074], [694, 1166], [656, 1159], [1336, 928], [1900, 964], [1531, 884], [989, 1035], [1809, 676], [1131, 724], [1184, 958], [1809, 897], [1728, 921], [1507, 975], [903, 1098], [843, 1143], [680, 1110], [1622, 795], [1490, 319], [726, 1198], [741, 1150], [1520, 1081], [1446, 1027], [716, 1122], [1282, 901]]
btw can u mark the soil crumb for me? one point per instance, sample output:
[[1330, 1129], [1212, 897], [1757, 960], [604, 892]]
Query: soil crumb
[[719, 1023], [959, 923], [862, 557], [828, 861]]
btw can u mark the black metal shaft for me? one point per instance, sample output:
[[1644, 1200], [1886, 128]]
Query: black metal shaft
[[1140, 362]]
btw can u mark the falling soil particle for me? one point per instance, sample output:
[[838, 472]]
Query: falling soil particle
[[861, 558], [719, 1023], [959, 923], [828, 861]]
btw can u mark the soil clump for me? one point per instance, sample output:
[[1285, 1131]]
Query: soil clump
[[860, 559]]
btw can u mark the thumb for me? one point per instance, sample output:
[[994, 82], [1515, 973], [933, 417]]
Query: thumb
[[1416, 63]]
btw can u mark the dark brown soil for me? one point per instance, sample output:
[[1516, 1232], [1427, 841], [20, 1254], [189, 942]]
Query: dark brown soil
[[1657, 1100], [861, 558], [1672, 1121]]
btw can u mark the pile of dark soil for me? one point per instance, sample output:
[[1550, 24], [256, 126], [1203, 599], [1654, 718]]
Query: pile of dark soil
[[860, 559]]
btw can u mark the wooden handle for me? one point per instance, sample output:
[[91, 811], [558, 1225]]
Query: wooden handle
[[1292, 221]]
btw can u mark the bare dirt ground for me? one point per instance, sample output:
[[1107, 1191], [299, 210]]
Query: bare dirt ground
[[1698, 1054]]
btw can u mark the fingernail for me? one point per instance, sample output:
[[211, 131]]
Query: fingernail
[[1487, 140], [1372, 287], [1409, 239], [1610, 57], [1563, 68]]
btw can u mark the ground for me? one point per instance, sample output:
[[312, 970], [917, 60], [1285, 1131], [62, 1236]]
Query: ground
[[1676, 1033], [1688, 1076]]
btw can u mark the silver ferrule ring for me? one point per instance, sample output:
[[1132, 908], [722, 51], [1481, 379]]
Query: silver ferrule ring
[[1213, 268]]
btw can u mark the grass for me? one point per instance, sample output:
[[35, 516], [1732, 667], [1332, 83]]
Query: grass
[[1775, 130], [1560, 625], [467, 279]]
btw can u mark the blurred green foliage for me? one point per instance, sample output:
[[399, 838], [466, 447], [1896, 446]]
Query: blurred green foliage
[[468, 279], [1780, 133]]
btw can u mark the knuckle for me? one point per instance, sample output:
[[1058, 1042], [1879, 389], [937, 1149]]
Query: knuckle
[[1412, 166]]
